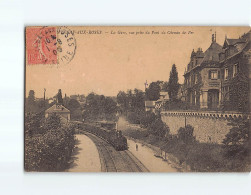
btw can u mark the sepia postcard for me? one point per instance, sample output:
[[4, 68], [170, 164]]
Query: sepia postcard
[[137, 99]]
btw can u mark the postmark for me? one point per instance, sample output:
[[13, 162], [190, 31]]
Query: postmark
[[66, 45], [49, 45]]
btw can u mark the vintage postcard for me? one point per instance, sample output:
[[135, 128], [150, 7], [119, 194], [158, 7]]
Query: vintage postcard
[[137, 99]]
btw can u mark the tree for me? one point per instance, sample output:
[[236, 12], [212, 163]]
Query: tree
[[138, 100], [99, 107], [31, 97], [186, 134], [147, 118], [73, 105], [173, 85], [59, 97], [109, 106], [236, 142], [33, 123], [123, 101], [159, 128], [31, 104], [53, 122], [165, 87], [153, 92]]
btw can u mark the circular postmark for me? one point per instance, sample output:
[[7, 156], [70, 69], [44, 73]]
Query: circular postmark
[[66, 45]]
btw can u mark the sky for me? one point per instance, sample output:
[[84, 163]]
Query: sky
[[109, 62]]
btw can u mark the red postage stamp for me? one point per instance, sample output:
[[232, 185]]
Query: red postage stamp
[[41, 45]]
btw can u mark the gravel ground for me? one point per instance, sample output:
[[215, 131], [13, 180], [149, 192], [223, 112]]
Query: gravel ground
[[86, 157], [146, 156]]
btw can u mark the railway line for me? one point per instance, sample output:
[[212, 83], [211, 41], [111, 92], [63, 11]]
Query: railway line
[[115, 161]]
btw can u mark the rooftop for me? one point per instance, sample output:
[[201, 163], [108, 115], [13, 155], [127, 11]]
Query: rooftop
[[57, 108]]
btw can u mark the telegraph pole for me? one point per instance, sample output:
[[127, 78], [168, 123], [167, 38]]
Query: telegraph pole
[[146, 84]]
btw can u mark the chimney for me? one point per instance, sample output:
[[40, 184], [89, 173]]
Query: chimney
[[213, 40]]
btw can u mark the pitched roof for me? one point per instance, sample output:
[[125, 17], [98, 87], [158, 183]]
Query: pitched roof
[[57, 108], [212, 53], [238, 45], [232, 41]]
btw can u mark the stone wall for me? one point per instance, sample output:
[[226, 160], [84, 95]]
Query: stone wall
[[208, 127]]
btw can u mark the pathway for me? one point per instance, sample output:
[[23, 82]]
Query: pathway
[[146, 156], [86, 156]]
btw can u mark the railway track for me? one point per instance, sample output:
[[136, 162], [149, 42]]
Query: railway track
[[115, 161], [106, 160], [135, 164]]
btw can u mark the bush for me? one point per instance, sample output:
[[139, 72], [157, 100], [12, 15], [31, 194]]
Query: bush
[[176, 104], [185, 134], [51, 149], [147, 118], [236, 142], [159, 128], [133, 117]]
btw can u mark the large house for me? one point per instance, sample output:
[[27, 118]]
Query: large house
[[211, 75], [235, 61], [202, 86]]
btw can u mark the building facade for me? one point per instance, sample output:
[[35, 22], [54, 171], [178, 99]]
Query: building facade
[[60, 110], [218, 79], [202, 85], [150, 106], [235, 61]]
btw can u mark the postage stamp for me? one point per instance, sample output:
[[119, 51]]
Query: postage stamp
[[49, 45], [41, 45]]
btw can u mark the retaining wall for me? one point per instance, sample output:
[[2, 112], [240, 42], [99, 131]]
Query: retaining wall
[[208, 127]]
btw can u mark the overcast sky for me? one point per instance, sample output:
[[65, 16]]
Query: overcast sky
[[107, 63]]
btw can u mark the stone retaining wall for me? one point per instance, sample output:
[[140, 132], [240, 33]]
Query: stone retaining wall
[[208, 126]]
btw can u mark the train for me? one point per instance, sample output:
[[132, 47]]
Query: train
[[107, 131]]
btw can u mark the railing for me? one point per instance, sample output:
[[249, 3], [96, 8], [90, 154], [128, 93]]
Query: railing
[[207, 114]]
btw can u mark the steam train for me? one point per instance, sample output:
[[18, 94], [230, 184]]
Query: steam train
[[108, 131]]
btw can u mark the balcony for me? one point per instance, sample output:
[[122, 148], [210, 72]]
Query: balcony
[[214, 83]]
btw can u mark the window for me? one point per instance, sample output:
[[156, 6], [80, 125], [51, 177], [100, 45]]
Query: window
[[226, 73], [226, 93], [235, 69], [213, 74]]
